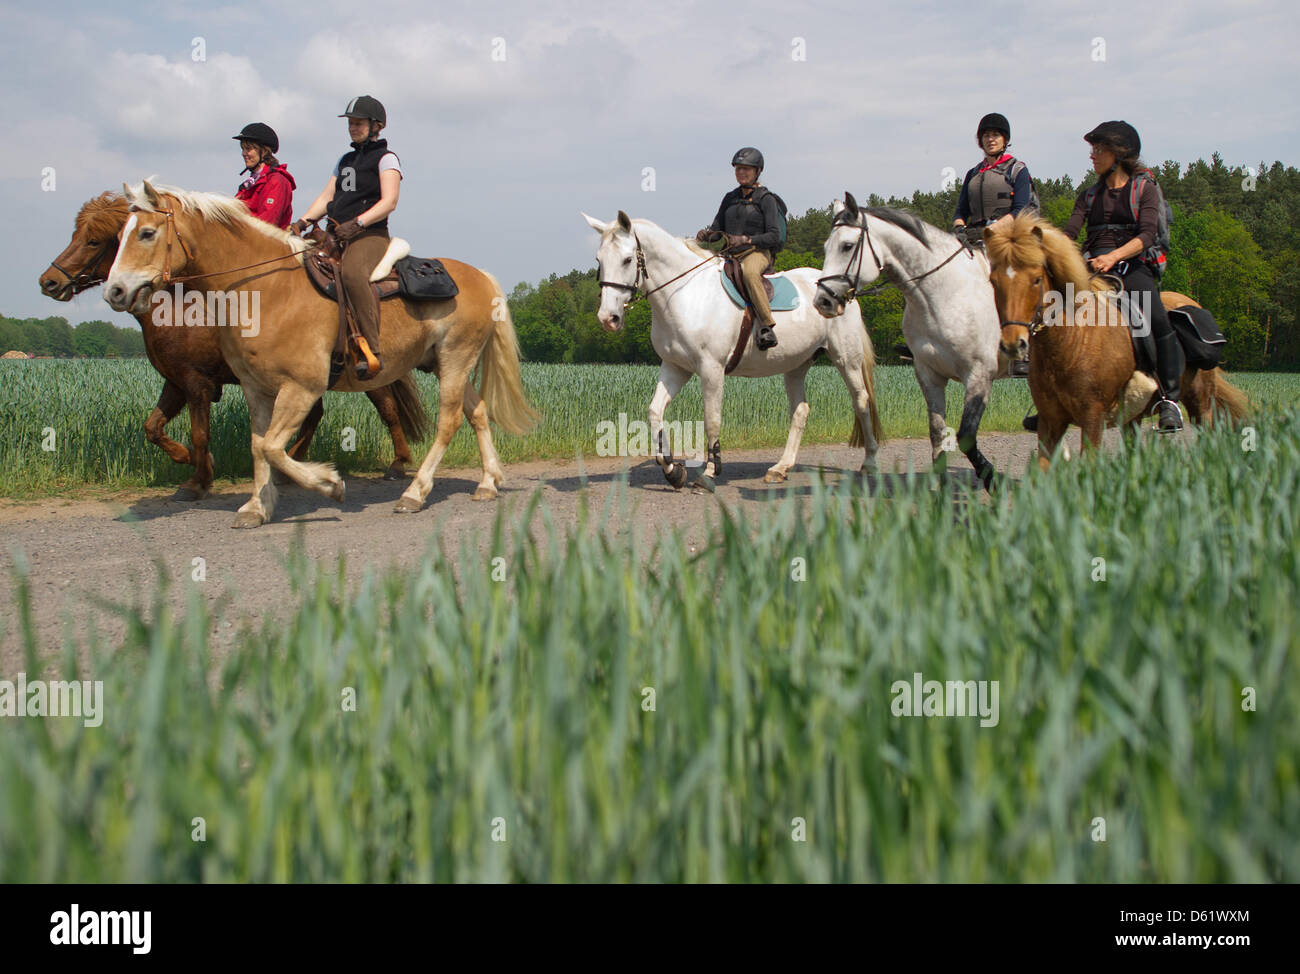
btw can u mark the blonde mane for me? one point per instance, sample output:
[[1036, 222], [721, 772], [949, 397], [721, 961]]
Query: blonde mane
[[225, 210], [1020, 247]]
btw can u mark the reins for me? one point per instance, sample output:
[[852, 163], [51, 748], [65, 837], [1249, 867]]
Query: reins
[[172, 229], [642, 275], [864, 233]]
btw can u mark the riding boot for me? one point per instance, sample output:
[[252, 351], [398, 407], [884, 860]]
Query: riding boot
[[1030, 422], [1169, 372]]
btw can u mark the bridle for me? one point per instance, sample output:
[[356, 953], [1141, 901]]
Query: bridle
[[1036, 324], [90, 274], [641, 275], [850, 277], [174, 231]]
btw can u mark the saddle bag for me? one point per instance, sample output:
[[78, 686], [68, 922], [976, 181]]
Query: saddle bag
[[425, 279], [1199, 334]]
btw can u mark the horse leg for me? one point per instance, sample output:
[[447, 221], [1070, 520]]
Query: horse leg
[[475, 410], [1090, 429], [452, 385], [1051, 429], [671, 380], [977, 397], [796, 393], [712, 379], [855, 377], [257, 510], [299, 449], [170, 401], [386, 405], [934, 388], [292, 403]]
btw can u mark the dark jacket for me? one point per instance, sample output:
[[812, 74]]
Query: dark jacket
[[1111, 222], [756, 215], [363, 160]]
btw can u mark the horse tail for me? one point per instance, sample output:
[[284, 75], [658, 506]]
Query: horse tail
[[503, 386], [410, 408], [857, 437], [1229, 398]]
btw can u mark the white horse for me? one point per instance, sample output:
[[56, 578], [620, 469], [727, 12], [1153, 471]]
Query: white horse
[[694, 327], [950, 320]]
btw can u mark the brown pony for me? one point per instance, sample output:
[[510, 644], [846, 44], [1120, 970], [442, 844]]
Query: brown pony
[[283, 362], [190, 362], [1085, 372]]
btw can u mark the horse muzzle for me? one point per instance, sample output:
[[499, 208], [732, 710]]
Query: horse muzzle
[[129, 296]]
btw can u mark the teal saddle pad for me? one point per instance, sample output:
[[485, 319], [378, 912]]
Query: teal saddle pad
[[784, 295]]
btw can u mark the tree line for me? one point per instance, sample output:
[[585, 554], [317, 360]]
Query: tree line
[[55, 337], [1235, 248]]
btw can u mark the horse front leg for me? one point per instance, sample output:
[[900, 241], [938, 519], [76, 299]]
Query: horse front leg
[[671, 380], [934, 388], [712, 381], [257, 510], [977, 397]]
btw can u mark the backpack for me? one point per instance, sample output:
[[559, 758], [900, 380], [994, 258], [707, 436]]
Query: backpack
[[1013, 174], [781, 211], [1155, 256]]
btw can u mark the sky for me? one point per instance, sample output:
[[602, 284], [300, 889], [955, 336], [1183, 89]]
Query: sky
[[512, 118]]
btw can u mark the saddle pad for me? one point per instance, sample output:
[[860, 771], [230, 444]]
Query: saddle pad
[[784, 295]]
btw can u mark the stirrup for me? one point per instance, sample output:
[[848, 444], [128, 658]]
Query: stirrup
[[1177, 417], [1030, 422]]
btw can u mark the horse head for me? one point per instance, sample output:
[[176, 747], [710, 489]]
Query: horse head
[[1019, 274], [84, 263], [147, 254], [620, 267], [842, 266]]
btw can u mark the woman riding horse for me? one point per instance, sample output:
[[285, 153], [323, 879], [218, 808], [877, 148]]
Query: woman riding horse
[[359, 197], [268, 190], [1121, 241], [997, 189]]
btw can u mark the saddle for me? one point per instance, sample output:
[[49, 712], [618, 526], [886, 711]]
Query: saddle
[[396, 275], [781, 296], [1144, 341]]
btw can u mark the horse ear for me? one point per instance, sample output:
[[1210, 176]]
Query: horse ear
[[600, 226], [1038, 232], [624, 222], [988, 237], [850, 203], [151, 195], [837, 207]]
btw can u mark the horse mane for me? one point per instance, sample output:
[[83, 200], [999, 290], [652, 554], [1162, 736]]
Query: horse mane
[[225, 210], [908, 222], [1016, 244], [103, 216], [690, 243]]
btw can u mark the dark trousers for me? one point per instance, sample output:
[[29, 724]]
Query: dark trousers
[[1138, 280], [359, 260]]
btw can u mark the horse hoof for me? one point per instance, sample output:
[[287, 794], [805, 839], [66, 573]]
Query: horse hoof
[[774, 477], [249, 519], [405, 505], [189, 494], [675, 474], [339, 491], [484, 494], [396, 472], [706, 483]]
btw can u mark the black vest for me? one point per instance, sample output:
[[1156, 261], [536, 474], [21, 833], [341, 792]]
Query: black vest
[[363, 163], [989, 193]]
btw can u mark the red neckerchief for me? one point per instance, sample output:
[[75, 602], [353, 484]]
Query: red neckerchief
[[994, 165]]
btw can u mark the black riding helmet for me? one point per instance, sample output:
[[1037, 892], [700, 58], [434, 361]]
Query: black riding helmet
[[1120, 136], [995, 121], [366, 106], [261, 133], [748, 156]]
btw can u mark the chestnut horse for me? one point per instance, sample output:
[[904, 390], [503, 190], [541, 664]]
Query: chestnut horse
[[190, 362], [283, 362], [1083, 370]]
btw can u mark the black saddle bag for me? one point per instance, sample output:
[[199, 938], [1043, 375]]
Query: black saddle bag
[[1199, 334], [424, 279]]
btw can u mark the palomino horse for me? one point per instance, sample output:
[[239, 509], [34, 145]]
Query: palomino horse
[[190, 362], [694, 328], [1085, 373], [283, 365], [949, 319]]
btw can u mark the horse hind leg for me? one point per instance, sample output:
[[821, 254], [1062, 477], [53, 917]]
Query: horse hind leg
[[494, 476], [861, 392], [385, 403], [796, 393], [452, 386]]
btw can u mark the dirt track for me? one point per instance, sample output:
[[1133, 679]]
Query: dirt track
[[80, 552]]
